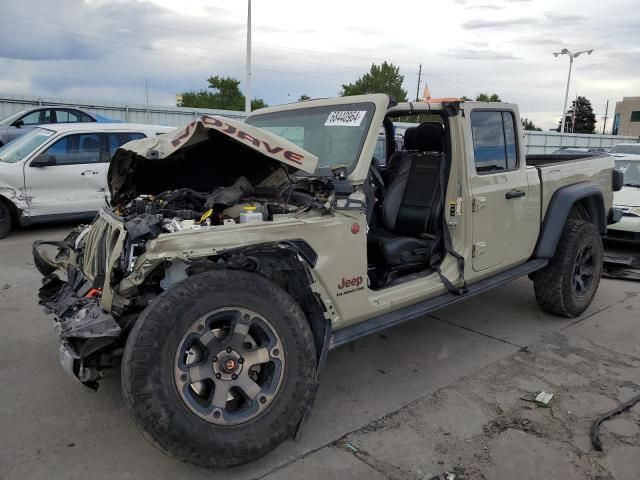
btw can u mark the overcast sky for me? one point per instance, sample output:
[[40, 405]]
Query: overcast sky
[[105, 49]]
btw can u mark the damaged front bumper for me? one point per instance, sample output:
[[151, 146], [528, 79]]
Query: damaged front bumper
[[89, 337]]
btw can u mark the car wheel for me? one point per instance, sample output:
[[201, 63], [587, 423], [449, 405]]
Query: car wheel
[[567, 285], [5, 220], [220, 368]]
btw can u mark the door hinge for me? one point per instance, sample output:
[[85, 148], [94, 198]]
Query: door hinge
[[479, 203], [479, 249]]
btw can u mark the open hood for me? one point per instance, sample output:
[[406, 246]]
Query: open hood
[[208, 152]]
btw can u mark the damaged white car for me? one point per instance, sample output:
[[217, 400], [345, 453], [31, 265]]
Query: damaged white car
[[58, 172]]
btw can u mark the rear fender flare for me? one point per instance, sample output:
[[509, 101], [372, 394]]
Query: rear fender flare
[[586, 194]]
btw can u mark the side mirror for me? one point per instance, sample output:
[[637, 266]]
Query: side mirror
[[43, 160], [618, 180], [18, 123]]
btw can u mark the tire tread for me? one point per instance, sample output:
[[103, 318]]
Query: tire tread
[[153, 417], [550, 283]]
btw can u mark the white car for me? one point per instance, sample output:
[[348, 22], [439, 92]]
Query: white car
[[58, 172], [627, 230], [625, 150]]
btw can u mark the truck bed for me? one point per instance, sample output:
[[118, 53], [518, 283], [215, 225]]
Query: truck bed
[[544, 159], [557, 171]]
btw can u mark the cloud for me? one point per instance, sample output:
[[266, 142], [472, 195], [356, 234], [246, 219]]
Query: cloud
[[477, 54], [482, 23], [548, 20], [559, 18], [487, 7]]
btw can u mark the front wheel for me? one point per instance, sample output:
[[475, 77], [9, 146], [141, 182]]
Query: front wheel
[[567, 285], [5, 220], [220, 369]]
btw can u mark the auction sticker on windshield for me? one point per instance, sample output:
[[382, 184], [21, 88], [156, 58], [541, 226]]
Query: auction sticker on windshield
[[345, 118]]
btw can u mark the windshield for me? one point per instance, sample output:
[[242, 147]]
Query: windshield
[[628, 149], [22, 146], [12, 118], [335, 133], [631, 169]]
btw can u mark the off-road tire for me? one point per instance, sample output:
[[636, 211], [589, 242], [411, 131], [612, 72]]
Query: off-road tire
[[553, 286], [150, 390], [5, 220]]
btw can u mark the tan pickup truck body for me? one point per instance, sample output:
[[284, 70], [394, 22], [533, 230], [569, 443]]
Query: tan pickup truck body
[[354, 247]]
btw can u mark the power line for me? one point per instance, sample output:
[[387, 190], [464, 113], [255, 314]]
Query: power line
[[209, 34], [184, 54]]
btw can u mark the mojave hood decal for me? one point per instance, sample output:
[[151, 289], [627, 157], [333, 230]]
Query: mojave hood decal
[[217, 131]]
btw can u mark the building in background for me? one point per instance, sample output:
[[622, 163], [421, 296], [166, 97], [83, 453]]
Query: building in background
[[626, 120]]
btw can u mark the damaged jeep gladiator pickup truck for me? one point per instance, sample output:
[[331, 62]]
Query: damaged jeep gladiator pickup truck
[[235, 256]]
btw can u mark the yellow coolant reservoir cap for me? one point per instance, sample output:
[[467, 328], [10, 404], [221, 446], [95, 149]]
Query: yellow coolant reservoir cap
[[249, 208]]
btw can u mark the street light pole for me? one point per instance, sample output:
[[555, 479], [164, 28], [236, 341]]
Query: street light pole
[[247, 93], [566, 95], [565, 51]]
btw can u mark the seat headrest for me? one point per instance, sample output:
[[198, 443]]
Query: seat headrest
[[411, 138], [429, 137]]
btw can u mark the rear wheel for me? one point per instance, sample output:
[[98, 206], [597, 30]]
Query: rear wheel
[[5, 220], [568, 284], [220, 368]]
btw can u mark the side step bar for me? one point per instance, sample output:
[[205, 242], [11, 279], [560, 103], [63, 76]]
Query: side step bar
[[382, 322]]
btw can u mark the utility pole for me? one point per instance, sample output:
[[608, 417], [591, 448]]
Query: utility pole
[[606, 112], [418, 88], [573, 119], [146, 93], [247, 93]]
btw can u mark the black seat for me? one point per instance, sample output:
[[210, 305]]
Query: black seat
[[410, 144], [412, 208]]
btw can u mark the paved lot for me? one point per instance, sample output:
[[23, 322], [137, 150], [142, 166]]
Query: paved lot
[[440, 394]]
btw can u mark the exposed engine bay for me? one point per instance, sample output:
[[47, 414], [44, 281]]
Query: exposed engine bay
[[175, 210], [148, 216]]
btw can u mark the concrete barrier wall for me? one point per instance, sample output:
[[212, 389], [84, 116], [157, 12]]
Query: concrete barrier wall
[[548, 142], [127, 112]]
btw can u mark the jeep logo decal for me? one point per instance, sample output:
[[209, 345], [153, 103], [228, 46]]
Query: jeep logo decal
[[350, 285], [350, 282]]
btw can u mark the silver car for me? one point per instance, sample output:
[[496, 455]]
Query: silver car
[[20, 123]]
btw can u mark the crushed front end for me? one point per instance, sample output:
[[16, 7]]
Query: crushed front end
[[74, 290], [207, 184]]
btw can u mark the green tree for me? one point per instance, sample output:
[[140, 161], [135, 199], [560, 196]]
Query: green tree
[[304, 97], [257, 103], [482, 97], [485, 97], [529, 125], [384, 78], [225, 95], [585, 119]]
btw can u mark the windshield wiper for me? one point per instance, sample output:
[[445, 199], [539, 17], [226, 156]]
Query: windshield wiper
[[632, 184]]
